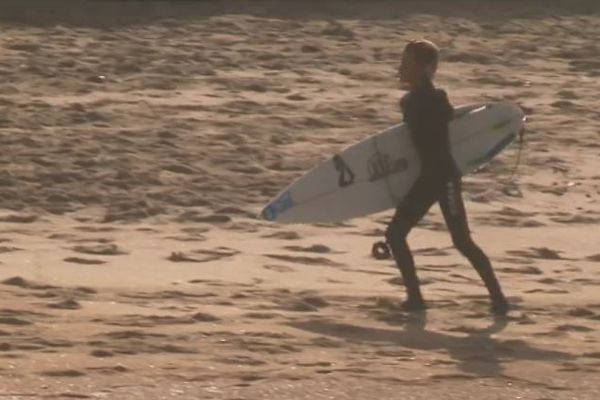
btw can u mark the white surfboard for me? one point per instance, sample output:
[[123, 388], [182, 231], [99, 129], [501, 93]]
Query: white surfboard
[[376, 173]]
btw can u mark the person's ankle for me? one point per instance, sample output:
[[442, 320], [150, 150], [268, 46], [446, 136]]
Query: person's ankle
[[500, 306], [414, 304]]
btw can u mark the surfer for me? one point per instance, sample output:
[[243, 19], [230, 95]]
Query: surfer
[[427, 113]]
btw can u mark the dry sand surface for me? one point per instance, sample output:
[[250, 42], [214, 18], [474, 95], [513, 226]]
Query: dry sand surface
[[138, 140]]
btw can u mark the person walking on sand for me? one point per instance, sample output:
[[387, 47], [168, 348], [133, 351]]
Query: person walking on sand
[[427, 112]]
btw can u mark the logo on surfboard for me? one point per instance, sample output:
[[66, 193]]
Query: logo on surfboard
[[346, 176], [382, 165]]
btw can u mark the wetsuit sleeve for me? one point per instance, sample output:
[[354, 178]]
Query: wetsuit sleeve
[[447, 109]]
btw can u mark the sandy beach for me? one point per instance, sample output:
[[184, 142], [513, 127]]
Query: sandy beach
[[139, 140]]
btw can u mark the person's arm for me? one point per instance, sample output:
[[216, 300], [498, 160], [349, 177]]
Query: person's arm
[[427, 121], [446, 115], [447, 108]]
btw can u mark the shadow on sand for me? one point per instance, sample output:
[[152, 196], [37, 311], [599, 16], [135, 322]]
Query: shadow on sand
[[476, 353]]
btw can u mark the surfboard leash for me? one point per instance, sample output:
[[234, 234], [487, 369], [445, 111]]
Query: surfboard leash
[[519, 152], [511, 178], [513, 172]]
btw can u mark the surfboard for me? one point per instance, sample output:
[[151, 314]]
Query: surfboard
[[375, 174]]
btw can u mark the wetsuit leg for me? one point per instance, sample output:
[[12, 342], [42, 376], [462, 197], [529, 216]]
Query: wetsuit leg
[[455, 215], [408, 213]]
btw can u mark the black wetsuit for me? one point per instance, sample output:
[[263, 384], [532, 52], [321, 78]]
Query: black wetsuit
[[427, 113]]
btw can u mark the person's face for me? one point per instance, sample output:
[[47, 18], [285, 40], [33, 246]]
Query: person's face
[[410, 71]]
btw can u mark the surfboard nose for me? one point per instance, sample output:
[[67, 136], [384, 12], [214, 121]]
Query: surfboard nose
[[265, 214], [276, 207]]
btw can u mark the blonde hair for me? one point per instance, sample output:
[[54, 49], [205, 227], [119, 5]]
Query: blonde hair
[[426, 53]]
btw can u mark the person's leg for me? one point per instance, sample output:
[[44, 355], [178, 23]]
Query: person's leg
[[408, 213], [455, 215]]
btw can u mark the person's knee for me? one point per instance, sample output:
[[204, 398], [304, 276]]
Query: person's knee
[[464, 244], [468, 248]]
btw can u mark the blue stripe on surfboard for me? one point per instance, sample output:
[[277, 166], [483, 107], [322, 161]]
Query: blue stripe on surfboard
[[279, 205]]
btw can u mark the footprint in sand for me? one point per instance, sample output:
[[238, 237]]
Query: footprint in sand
[[333, 225], [261, 315], [432, 251], [576, 219], [377, 232], [205, 317], [594, 258], [529, 270], [573, 328], [304, 304], [100, 249], [101, 353], [398, 281], [538, 252], [305, 260], [240, 360], [16, 281], [19, 218], [582, 312], [593, 355], [84, 261], [68, 304], [445, 268], [278, 268], [193, 216], [204, 255], [11, 320], [129, 334], [5, 347], [516, 260], [459, 277], [235, 211], [547, 291], [166, 294], [9, 249], [296, 97], [509, 222], [309, 48], [283, 235], [195, 231], [182, 238], [327, 343], [316, 248], [63, 373], [22, 283], [551, 281], [118, 369], [96, 229]]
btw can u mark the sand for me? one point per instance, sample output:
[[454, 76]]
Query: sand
[[140, 139]]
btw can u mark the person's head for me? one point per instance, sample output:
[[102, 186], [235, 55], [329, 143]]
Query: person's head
[[419, 62]]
